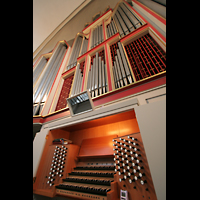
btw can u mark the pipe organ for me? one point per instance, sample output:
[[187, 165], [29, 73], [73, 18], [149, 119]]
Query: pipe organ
[[78, 79], [121, 71], [39, 69], [97, 36], [126, 20], [97, 82], [111, 29], [75, 52], [84, 46], [118, 56], [41, 91]]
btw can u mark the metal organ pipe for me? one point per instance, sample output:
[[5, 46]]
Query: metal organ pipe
[[75, 53], [125, 19], [76, 88], [45, 85], [97, 36], [38, 70], [121, 71], [125, 62], [44, 79], [53, 75], [111, 29], [97, 82], [84, 46]]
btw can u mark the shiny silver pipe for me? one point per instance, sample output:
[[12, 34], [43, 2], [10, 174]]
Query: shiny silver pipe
[[106, 84], [122, 67], [131, 16], [125, 63], [72, 54], [50, 64], [117, 75], [78, 80], [100, 77], [123, 25], [89, 80], [82, 48], [38, 70], [112, 32], [111, 25], [126, 20], [119, 26], [86, 45], [77, 50], [115, 78], [114, 27], [75, 80], [103, 77], [95, 37], [119, 71], [93, 76], [52, 76], [46, 75], [96, 75], [109, 33], [101, 34]]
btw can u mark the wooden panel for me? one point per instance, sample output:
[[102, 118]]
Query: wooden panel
[[119, 128], [97, 146]]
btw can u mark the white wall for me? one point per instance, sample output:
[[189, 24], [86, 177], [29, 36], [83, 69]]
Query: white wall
[[151, 119]]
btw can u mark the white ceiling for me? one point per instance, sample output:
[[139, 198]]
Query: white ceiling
[[48, 14]]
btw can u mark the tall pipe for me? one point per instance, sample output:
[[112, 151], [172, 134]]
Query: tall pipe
[[106, 84], [75, 80], [125, 62], [93, 76], [54, 73], [126, 20], [119, 71], [125, 29], [112, 26], [131, 16], [96, 75], [119, 26], [103, 77], [121, 67], [46, 75], [117, 74], [100, 77], [115, 78]]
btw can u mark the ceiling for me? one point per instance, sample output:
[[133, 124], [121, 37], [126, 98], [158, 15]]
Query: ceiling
[[63, 27], [48, 14]]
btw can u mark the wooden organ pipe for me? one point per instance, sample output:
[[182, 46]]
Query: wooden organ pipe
[[97, 82], [121, 71], [126, 21]]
